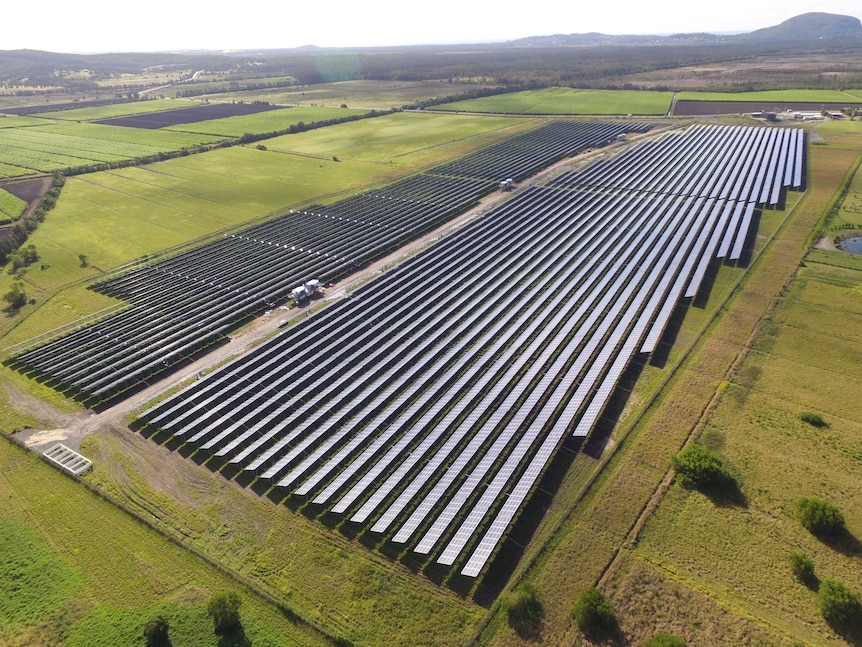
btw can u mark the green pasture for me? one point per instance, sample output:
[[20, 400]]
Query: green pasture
[[96, 113], [77, 570], [265, 122], [401, 139], [11, 206], [14, 121], [817, 96], [568, 101]]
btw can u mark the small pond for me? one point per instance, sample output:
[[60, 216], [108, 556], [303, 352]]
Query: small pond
[[852, 244]]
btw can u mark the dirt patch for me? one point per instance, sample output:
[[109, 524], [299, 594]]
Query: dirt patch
[[826, 244], [154, 120], [30, 190]]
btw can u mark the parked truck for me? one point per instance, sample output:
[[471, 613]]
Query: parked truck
[[305, 291]]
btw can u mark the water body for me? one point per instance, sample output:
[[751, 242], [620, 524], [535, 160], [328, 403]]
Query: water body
[[852, 245]]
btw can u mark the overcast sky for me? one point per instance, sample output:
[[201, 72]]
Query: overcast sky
[[160, 25]]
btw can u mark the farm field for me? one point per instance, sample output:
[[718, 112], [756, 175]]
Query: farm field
[[775, 96], [568, 101], [118, 109], [266, 122], [403, 139], [44, 149], [10, 207], [381, 95]]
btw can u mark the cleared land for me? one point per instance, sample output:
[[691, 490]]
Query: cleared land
[[201, 112], [567, 101], [95, 113]]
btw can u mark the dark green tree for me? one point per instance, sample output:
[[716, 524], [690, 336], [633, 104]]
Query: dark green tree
[[223, 608], [840, 606], [156, 632], [698, 467], [594, 614], [525, 611], [16, 297], [802, 567], [820, 517]]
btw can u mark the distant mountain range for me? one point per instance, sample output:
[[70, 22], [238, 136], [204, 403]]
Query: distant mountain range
[[805, 27]]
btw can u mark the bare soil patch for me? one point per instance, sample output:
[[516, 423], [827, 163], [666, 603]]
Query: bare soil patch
[[205, 112]]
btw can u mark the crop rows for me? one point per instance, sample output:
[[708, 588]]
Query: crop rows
[[426, 407]]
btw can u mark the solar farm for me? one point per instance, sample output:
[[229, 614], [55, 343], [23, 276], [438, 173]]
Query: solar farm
[[425, 408]]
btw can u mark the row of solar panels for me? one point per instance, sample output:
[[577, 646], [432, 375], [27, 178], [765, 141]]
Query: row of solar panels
[[184, 304], [428, 405]]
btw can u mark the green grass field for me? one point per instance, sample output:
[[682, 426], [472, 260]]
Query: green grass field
[[401, 139], [819, 96], [567, 101], [265, 122], [78, 571]]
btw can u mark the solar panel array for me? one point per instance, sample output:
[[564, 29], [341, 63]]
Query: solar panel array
[[184, 304], [427, 406]]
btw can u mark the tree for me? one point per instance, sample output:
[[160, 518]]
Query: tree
[[662, 639], [223, 608], [525, 611], [803, 567], [156, 632], [819, 517], [593, 613], [16, 297], [698, 467], [83, 259], [839, 605]]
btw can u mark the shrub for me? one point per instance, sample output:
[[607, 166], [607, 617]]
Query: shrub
[[156, 632], [223, 608], [802, 566], [813, 419], [661, 639], [525, 611], [593, 612], [699, 468], [839, 605], [819, 517]]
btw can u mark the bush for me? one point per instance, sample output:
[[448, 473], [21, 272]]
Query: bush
[[813, 419], [156, 632], [662, 639], [525, 611], [593, 612], [223, 608], [839, 605], [802, 566], [819, 517], [698, 467]]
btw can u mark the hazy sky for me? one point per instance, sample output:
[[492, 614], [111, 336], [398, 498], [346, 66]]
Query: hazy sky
[[156, 25]]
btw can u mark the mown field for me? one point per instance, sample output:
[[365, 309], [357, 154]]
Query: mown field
[[568, 101]]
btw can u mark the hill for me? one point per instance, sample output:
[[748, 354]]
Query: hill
[[808, 26]]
